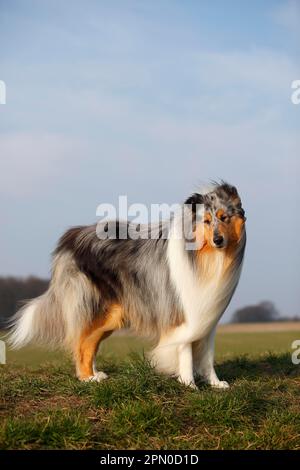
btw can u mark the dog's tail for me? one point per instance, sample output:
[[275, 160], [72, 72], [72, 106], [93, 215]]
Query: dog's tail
[[57, 317], [38, 321]]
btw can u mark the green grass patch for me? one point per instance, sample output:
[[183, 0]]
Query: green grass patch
[[43, 406], [60, 430]]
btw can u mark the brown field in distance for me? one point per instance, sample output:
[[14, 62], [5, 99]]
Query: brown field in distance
[[259, 327]]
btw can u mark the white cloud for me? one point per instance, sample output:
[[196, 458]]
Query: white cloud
[[209, 84], [28, 161]]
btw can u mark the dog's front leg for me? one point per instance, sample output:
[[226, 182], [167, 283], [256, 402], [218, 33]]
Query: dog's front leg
[[203, 358], [174, 355], [185, 365]]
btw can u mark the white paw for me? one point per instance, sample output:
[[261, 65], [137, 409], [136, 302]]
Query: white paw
[[188, 383], [220, 384], [193, 386], [98, 377]]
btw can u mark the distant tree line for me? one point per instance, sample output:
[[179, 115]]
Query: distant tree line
[[262, 312], [14, 290]]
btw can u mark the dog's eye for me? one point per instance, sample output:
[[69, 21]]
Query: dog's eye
[[223, 218], [207, 221]]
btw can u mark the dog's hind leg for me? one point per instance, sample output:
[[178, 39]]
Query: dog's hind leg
[[90, 338]]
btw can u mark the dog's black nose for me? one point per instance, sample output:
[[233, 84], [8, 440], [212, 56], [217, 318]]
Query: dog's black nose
[[218, 240]]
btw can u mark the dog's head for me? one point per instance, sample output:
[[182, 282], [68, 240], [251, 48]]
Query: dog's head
[[223, 218]]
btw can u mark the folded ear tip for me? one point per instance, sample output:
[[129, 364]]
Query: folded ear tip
[[195, 198]]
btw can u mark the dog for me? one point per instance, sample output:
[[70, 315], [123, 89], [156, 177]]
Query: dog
[[154, 286]]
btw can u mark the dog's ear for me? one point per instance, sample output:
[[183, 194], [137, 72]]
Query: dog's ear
[[241, 213], [227, 189], [238, 224], [195, 199], [232, 191]]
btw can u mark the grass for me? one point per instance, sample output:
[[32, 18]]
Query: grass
[[42, 405]]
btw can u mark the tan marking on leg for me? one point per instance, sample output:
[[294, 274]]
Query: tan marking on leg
[[91, 337]]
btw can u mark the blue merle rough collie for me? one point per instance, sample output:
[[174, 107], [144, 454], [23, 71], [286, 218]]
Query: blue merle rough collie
[[154, 286]]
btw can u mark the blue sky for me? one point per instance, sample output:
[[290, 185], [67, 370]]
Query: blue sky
[[149, 99]]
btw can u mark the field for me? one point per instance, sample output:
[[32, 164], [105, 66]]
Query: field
[[43, 406]]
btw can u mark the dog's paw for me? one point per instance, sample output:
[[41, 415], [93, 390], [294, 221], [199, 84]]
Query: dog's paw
[[222, 384], [188, 383], [98, 377], [193, 386]]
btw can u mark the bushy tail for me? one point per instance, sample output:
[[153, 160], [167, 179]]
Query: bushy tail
[[57, 317], [39, 321]]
